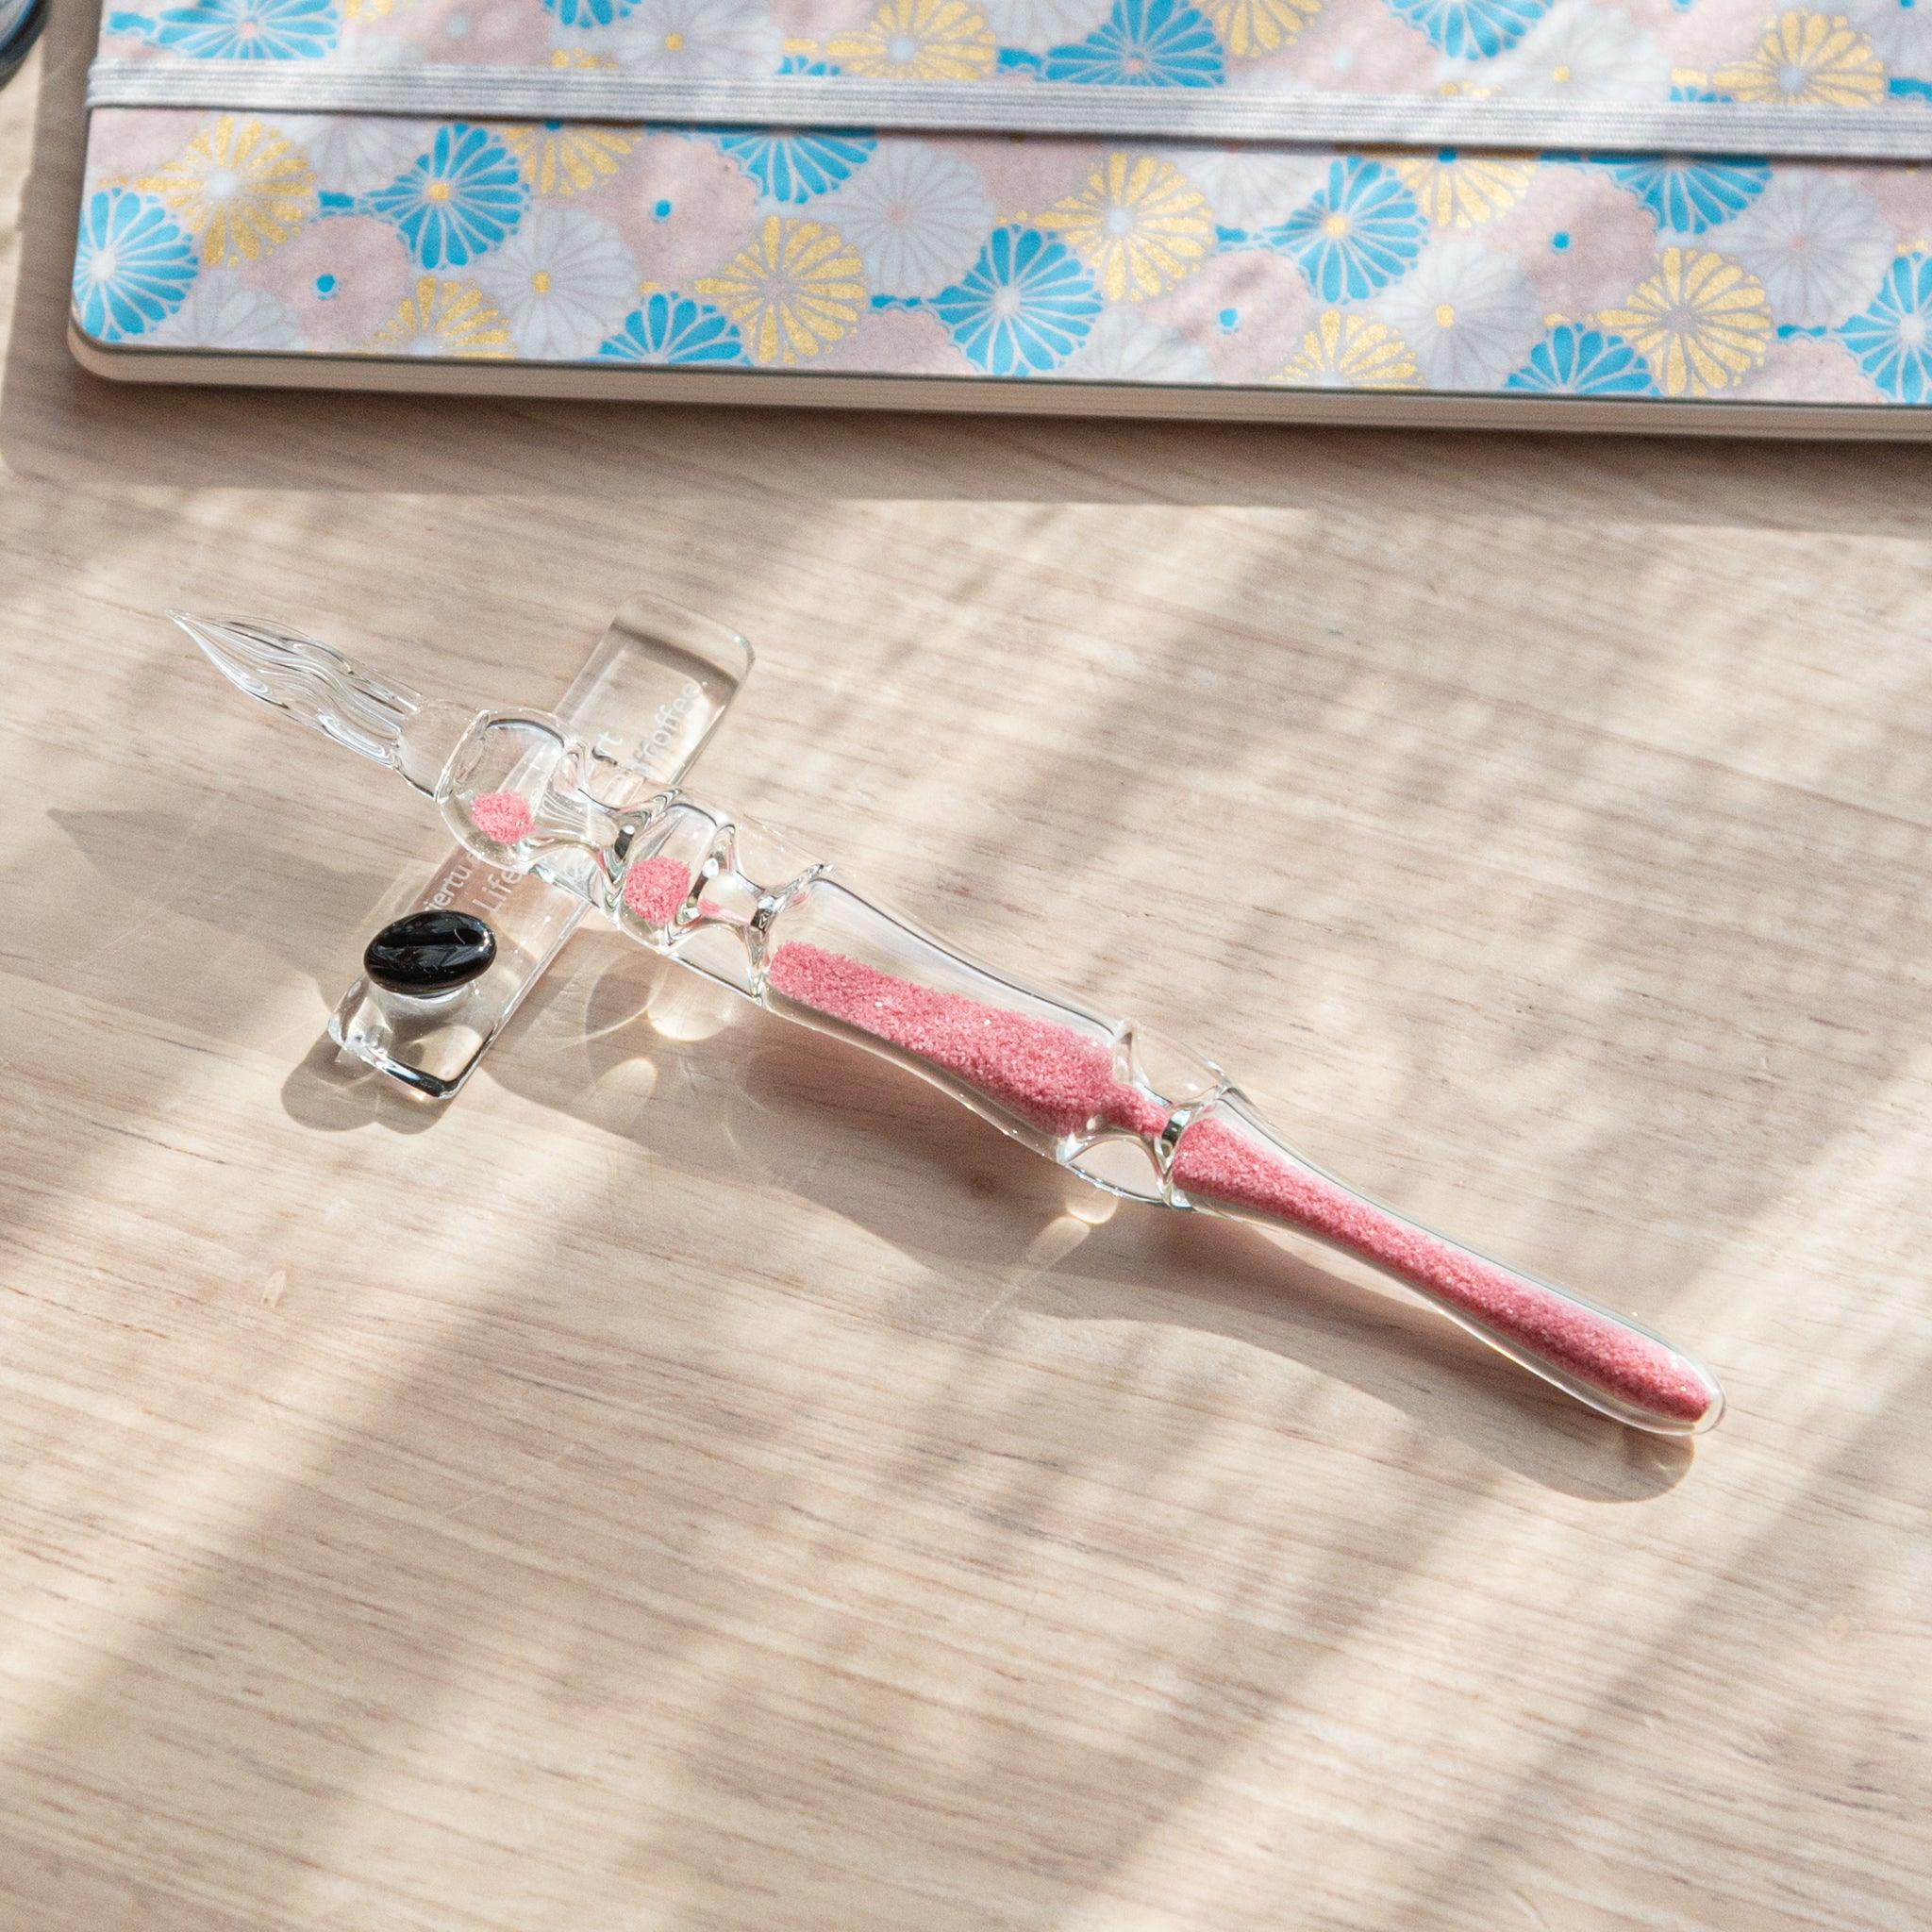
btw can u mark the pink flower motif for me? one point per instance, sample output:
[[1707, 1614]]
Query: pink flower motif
[[342, 278]]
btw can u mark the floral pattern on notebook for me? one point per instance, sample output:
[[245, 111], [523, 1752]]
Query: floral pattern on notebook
[[1863, 53], [1032, 258]]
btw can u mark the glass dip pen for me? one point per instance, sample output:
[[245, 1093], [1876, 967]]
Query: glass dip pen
[[1111, 1102]]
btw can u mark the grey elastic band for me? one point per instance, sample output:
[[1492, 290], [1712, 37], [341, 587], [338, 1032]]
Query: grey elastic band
[[1892, 133]]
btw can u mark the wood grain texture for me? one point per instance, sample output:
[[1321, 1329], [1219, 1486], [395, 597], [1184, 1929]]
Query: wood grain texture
[[701, 1480]]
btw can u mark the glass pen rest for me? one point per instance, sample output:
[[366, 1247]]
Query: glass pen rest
[[648, 700]]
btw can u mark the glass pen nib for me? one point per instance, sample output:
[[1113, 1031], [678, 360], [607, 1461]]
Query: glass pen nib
[[309, 681]]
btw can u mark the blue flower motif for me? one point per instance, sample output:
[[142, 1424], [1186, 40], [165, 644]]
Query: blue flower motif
[[786, 167], [1685, 196], [674, 329], [1024, 306], [455, 202], [1572, 362], [1360, 232], [133, 267], [1142, 43], [1892, 338], [1472, 30], [238, 29], [589, 13], [794, 167]]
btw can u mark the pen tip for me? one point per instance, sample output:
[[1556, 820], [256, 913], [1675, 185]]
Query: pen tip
[[307, 679], [225, 647]]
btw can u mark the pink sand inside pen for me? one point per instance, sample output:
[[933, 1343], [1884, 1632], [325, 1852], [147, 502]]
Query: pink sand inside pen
[[1058, 1081], [505, 816], [654, 889], [1063, 1083]]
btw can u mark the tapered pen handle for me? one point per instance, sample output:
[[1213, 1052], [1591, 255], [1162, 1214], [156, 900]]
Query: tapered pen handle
[[1150, 1120], [1605, 1359]]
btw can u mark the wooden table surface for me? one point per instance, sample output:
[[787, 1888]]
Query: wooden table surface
[[702, 1479]]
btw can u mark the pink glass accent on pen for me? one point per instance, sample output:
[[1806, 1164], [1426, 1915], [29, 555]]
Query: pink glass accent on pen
[[1068, 1085]]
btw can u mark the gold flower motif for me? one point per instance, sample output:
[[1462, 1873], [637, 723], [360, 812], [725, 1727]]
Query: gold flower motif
[[557, 158], [241, 187], [1139, 223], [792, 290], [566, 159], [1349, 350], [919, 40], [443, 318], [1249, 27], [1459, 191], [1701, 322], [1808, 61]]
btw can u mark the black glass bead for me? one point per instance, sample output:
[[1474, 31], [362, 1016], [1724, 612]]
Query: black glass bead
[[430, 952]]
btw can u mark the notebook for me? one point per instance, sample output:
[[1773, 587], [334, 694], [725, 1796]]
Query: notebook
[[1680, 214]]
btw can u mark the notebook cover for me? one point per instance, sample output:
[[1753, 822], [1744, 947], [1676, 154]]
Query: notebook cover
[[981, 262]]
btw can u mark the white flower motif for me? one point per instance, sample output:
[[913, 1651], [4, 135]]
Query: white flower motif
[[1126, 347], [223, 312], [1037, 25], [1901, 33], [563, 282], [353, 153], [1468, 314], [693, 39], [1251, 187], [1818, 245], [1578, 52], [917, 216]]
